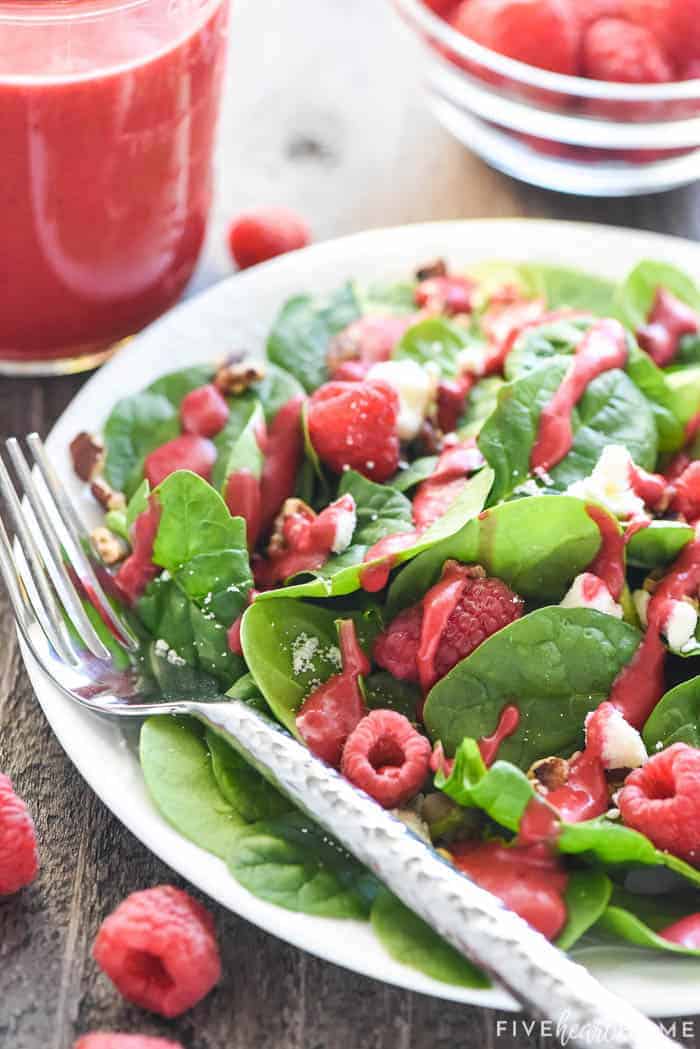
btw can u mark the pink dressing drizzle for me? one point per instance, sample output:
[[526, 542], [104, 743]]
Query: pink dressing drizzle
[[508, 723], [139, 570], [602, 348], [608, 563]]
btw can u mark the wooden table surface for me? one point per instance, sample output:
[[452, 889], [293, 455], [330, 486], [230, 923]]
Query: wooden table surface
[[323, 114]]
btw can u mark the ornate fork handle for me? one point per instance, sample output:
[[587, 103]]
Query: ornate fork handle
[[536, 973]]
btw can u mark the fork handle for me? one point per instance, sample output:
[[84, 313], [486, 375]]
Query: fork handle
[[541, 977]]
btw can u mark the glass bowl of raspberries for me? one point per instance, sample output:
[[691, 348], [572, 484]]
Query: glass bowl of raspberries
[[596, 97]]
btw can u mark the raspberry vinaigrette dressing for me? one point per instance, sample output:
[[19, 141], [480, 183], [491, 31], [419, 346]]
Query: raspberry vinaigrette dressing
[[107, 117]]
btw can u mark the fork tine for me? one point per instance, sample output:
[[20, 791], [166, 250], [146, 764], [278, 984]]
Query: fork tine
[[80, 537], [41, 599], [40, 524]]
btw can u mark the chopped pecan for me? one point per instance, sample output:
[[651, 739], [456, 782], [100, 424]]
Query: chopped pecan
[[109, 546], [436, 268], [106, 495], [235, 375], [549, 773], [87, 453]]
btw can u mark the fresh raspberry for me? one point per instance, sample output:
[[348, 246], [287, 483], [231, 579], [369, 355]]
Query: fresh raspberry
[[365, 342], [451, 399], [542, 33], [355, 425], [437, 636], [451, 294], [257, 236], [662, 800], [593, 10], [111, 1040], [204, 411], [187, 452], [19, 862], [614, 49], [396, 649], [386, 757], [284, 452], [674, 23], [686, 499], [159, 949], [529, 879], [330, 714]]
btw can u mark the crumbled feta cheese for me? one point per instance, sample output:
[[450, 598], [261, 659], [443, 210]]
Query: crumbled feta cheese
[[416, 387], [622, 746], [609, 484], [588, 591], [473, 359], [641, 599], [304, 649], [345, 522], [680, 625]]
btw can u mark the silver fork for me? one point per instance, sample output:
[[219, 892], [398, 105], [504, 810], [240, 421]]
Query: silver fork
[[51, 561]]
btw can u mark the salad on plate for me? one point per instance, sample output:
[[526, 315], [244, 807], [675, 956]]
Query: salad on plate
[[444, 533]]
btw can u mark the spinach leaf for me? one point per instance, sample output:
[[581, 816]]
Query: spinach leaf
[[385, 692], [635, 296], [419, 470], [276, 389], [246, 689], [248, 793], [536, 545], [385, 298], [434, 341], [503, 792], [639, 919], [688, 350], [177, 769], [300, 335], [603, 841], [291, 862], [557, 664], [508, 435], [245, 452], [408, 940], [675, 718], [655, 385], [290, 648], [381, 509], [659, 543], [176, 385], [137, 504], [560, 286], [587, 896], [136, 426], [481, 403], [242, 409], [685, 392], [537, 346], [342, 574], [611, 411]]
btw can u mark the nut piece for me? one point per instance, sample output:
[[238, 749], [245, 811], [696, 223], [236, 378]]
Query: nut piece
[[436, 268], [234, 375], [290, 506], [106, 495], [109, 546], [87, 453], [549, 774]]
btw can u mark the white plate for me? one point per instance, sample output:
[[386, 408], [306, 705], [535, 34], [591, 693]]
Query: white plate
[[237, 313]]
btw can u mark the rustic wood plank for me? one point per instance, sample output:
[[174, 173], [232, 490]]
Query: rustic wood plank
[[323, 114]]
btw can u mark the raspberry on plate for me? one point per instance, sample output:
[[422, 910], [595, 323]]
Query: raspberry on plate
[[112, 1040], [387, 758], [355, 425], [674, 23], [662, 800], [204, 411], [614, 49], [18, 854], [265, 233], [456, 615], [159, 949], [189, 451], [543, 33]]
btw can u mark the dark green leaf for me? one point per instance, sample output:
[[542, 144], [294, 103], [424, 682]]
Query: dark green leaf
[[639, 920], [481, 402], [176, 385], [241, 411], [556, 664], [607, 842], [635, 297], [419, 470], [676, 718], [247, 792], [434, 341], [587, 895], [276, 389], [560, 286], [136, 426], [302, 331], [658, 544], [503, 792], [385, 692]]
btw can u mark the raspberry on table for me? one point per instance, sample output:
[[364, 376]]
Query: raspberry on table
[[543, 33], [354, 425], [387, 758], [614, 49], [159, 949], [662, 800], [112, 1040], [484, 606], [19, 861], [189, 451], [262, 234], [204, 411], [674, 24]]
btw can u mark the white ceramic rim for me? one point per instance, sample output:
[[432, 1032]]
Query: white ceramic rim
[[200, 330]]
